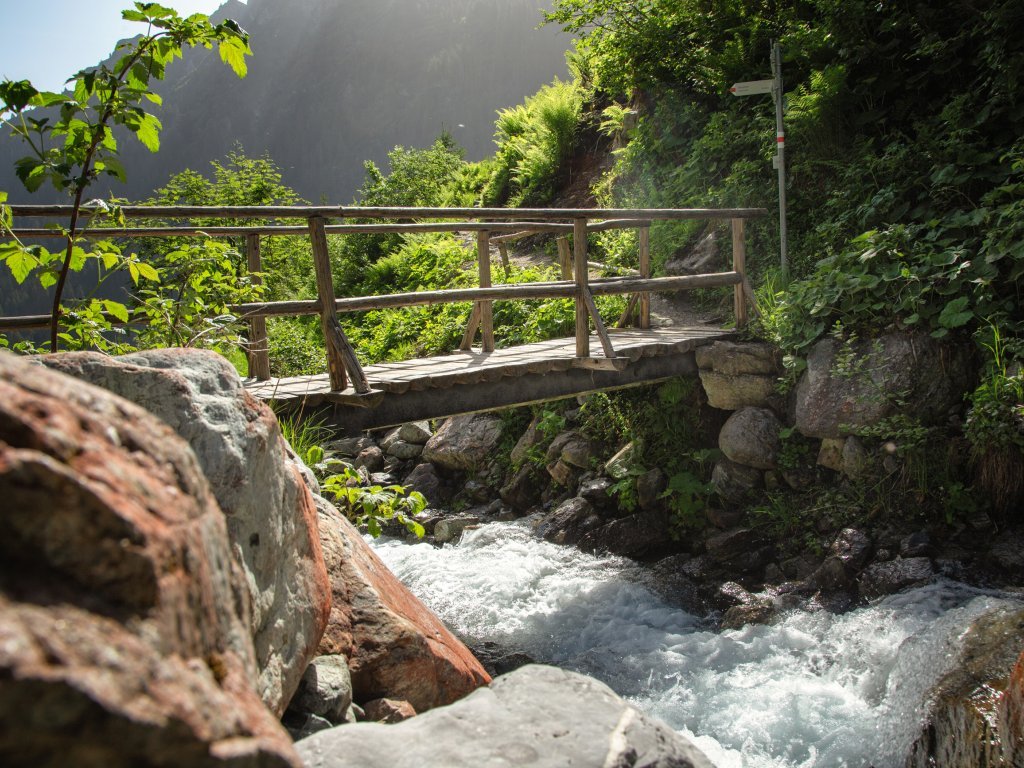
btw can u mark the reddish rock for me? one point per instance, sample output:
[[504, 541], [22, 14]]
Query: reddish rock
[[271, 517], [124, 634], [397, 648]]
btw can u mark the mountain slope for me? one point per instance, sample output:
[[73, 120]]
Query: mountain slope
[[333, 83]]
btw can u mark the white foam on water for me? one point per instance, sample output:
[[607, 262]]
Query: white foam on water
[[814, 690]]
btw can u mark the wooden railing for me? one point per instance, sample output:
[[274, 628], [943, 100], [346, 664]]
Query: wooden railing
[[510, 224]]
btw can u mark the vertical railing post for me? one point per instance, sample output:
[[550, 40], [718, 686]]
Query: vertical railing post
[[579, 249], [340, 355], [645, 272], [483, 253], [258, 352], [739, 264]]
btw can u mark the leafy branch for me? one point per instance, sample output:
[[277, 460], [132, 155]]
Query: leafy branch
[[101, 98]]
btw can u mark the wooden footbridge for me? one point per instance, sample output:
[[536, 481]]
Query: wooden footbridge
[[475, 378]]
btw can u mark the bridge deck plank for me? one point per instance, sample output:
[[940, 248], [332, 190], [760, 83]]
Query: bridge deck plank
[[469, 367]]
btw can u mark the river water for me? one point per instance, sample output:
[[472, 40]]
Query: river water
[[814, 690]]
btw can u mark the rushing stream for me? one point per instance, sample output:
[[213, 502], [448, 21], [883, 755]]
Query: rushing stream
[[814, 689]]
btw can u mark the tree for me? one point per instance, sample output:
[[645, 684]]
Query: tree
[[83, 122]]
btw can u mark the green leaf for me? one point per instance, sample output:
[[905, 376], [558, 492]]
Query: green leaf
[[109, 259], [133, 271], [147, 271], [148, 132], [232, 52], [19, 260], [117, 309], [955, 314], [16, 94]]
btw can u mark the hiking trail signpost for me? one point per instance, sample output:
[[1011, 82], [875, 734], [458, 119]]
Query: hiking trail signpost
[[774, 87]]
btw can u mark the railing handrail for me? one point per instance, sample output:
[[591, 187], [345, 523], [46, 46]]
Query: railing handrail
[[576, 282], [370, 212]]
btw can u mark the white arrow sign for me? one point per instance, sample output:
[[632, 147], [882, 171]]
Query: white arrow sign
[[752, 87]]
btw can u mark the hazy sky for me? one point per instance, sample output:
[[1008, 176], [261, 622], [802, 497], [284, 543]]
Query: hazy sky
[[47, 41]]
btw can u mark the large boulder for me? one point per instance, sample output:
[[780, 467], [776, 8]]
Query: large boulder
[[124, 627], [751, 437], [847, 388], [396, 647], [464, 443], [271, 517], [974, 717], [538, 716]]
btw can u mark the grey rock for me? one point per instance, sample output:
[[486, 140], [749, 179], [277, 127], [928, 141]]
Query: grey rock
[[311, 724], [596, 491], [372, 459], [974, 711], [730, 393], [733, 482], [751, 437], [725, 518], [649, 487], [800, 567], [568, 522], [416, 432], [400, 449], [830, 576], [704, 257], [929, 378], [538, 716], [477, 491], [424, 478], [429, 518], [325, 689], [450, 528], [902, 573], [464, 442], [739, 616], [740, 358], [741, 549], [1008, 551], [524, 489], [563, 474], [531, 438], [830, 454], [577, 452], [638, 535], [390, 438], [669, 578], [854, 460], [852, 548], [730, 594], [917, 544], [350, 446]]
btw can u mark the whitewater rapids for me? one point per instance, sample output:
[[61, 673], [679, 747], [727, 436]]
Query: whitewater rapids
[[814, 690]]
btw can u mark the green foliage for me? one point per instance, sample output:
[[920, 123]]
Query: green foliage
[[296, 346], [995, 423], [306, 436], [374, 505], [535, 143], [71, 141], [191, 305], [237, 179], [664, 428], [418, 177], [903, 122]]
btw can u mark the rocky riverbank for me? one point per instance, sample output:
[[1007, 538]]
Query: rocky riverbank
[[172, 585]]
